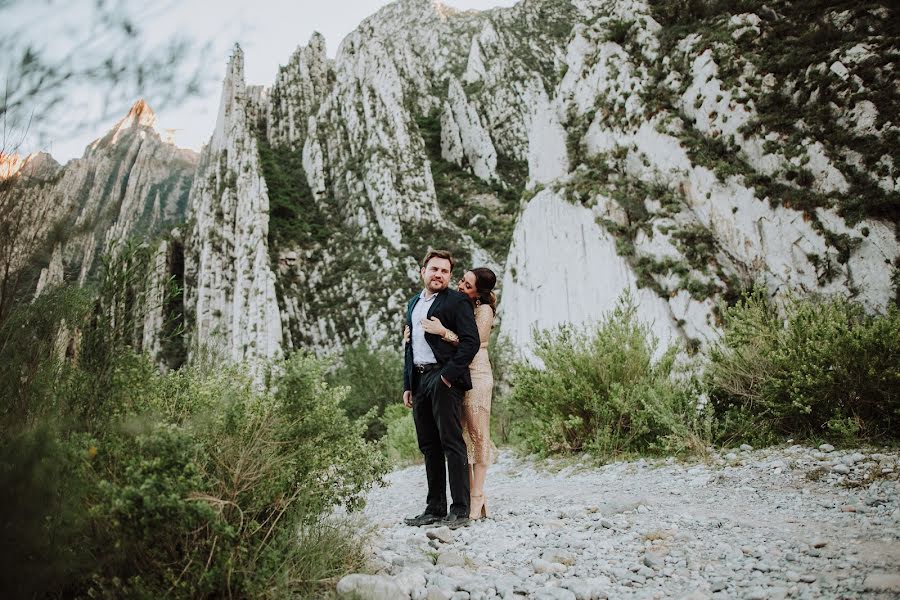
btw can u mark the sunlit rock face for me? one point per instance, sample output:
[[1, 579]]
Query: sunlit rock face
[[129, 187], [128, 184], [582, 148], [230, 298], [694, 171], [563, 265]]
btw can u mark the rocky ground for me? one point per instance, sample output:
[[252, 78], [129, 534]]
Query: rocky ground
[[786, 522]]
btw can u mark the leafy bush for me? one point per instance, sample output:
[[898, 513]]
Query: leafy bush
[[374, 379], [503, 417], [399, 442], [603, 392], [129, 483], [811, 368], [207, 499], [41, 514], [31, 368], [149, 523], [335, 463]]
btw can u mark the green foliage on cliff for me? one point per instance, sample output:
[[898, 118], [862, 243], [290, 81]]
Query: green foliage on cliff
[[295, 218], [538, 38], [797, 44], [485, 211]]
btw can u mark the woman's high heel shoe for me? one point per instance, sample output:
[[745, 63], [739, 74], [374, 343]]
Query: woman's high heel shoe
[[478, 507]]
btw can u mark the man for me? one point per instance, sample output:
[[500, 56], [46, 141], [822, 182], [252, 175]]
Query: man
[[435, 378]]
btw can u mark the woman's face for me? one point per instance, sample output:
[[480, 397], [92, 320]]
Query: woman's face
[[467, 285]]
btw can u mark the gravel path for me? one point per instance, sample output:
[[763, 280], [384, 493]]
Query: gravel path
[[788, 522]]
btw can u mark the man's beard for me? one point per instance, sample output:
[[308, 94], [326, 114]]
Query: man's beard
[[431, 288]]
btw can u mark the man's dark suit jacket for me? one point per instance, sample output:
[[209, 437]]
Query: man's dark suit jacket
[[456, 313]]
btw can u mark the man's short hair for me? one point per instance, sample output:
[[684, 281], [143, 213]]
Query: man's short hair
[[432, 253]]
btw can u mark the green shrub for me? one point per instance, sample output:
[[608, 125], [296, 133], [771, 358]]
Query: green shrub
[[32, 369], [374, 377], [618, 31], [603, 392], [400, 445], [41, 515], [125, 482], [336, 464], [149, 524], [811, 368], [503, 417], [206, 497]]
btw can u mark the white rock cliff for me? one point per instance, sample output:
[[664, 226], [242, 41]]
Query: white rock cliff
[[582, 148]]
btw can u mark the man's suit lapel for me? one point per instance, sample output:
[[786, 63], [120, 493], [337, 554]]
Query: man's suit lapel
[[412, 306], [436, 303]]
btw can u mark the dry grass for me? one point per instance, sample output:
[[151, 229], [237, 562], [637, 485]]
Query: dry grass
[[871, 475], [817, 473]]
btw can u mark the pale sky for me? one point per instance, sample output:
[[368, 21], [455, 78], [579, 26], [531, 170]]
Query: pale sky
[[267, 30]]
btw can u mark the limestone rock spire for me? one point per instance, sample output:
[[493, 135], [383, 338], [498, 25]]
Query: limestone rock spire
[[232, 307]]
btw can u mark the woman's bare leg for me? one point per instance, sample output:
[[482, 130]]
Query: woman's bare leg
[[479, 474], [478, 503]]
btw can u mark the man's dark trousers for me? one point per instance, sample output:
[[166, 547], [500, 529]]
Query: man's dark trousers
[[437, 412]]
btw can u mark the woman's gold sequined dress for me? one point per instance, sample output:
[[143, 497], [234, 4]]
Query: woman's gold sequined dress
[[477, 402]]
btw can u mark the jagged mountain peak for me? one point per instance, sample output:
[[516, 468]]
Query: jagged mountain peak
[[36, 164], [420, 5], [233, 89], [140, 118], [316, 40], [10, 164], [41, 165], [400, 14], [237, 56], [313, 51], [140, 115], [442, 9]]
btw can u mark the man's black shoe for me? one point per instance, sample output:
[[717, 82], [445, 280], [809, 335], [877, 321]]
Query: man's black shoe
[[425, 518], [454, 521]]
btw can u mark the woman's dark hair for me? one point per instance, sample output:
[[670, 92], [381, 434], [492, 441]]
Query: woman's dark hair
[[485, 280]]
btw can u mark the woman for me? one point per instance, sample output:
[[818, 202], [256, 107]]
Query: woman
[[478, 285]]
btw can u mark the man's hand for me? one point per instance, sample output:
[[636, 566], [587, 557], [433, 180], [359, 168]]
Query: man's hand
[[447, 383], [407, 399]]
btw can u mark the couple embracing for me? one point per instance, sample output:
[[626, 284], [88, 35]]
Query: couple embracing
[[447, 383]]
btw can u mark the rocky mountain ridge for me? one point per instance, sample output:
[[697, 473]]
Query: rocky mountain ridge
[[581, 148], [594, 137], [62, 220]]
